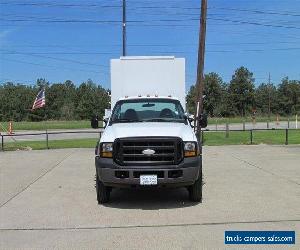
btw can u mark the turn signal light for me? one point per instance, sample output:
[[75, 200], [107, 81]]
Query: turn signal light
[[190, 153], [106, 154]]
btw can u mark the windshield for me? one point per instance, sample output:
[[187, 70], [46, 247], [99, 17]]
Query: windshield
[[148, 110]]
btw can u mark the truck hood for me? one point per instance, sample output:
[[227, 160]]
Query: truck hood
[[121, 130]]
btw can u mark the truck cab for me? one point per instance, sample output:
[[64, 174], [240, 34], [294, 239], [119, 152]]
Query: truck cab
[[148, 139]]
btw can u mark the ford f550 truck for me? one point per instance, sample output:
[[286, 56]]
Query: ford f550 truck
[[148, 139]]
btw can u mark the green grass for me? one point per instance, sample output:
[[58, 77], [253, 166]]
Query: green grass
[[243, 137], [48, 125], [210, 138], [53, 144]]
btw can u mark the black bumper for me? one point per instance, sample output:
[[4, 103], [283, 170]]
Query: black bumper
[[183, 174]]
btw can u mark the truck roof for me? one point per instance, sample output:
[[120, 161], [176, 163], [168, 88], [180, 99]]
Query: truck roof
[[148, 76], [148, 97], [147, 58]]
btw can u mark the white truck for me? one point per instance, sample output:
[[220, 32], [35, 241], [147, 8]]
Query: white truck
[[148, 139]]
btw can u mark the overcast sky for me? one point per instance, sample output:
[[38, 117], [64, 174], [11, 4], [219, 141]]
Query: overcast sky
[[60, 40]]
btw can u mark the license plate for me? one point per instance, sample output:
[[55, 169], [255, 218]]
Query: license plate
[[148, 180]]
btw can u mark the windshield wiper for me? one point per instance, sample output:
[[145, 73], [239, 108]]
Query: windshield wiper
[[125, 120], [162, 120]]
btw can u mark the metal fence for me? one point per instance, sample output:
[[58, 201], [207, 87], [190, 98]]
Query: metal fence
[[22, 138], [45, 136], [248, 125], [251, 132]]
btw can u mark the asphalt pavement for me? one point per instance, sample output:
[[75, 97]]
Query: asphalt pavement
[[48, 201]]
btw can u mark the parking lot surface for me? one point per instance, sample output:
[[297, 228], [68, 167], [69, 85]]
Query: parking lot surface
[[48, 200]]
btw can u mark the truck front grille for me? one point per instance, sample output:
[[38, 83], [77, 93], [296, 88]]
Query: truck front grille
[[129, 151]]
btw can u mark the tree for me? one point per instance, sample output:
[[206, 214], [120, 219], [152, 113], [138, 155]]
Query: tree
[[191, 100], [63, 101], [66, 101], [15, 101], [241, 91], [214, 91], [264, 94], [214, 94], [289, 96], [92, 100]]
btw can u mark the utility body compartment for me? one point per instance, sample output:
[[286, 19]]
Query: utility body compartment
[[147, 75]]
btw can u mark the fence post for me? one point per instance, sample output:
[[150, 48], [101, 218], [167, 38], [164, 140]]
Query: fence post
[[251, 136], [2, 142], [202, 137], [47, 139], [287, 136], [227, 130], [288, 123]]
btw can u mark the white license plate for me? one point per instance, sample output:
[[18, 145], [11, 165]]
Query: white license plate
[[148, 180]]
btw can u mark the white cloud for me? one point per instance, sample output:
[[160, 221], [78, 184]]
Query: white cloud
[[3, 35]]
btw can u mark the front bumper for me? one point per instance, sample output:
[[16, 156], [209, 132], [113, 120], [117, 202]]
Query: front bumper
[[183, 174]]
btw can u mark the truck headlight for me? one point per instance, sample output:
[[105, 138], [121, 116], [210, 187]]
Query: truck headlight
[[190, 149], [106, 150]]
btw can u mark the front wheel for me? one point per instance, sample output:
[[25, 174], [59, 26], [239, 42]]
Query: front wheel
[[103, 192], [195, 191]]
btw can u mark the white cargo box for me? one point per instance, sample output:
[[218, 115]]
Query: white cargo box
[[148, 75]]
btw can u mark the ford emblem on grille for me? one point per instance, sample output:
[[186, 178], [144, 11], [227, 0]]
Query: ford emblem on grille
[[148, 152]]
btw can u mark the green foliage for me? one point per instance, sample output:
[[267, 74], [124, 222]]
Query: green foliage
[[92, 100], [241, 91], [266, 95], [15, 100], [64, 101], [191, 100], [289, 97], [214, 91], [241, 98], [215, 94]]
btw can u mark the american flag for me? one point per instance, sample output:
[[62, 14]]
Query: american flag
[[40, 100]]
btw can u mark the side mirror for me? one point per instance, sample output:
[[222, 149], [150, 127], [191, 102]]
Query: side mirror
[[105, 120], [94, 122], [203, 120], [189, 117]]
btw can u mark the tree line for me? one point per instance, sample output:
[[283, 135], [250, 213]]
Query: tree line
[[240, 97], [66, 101]]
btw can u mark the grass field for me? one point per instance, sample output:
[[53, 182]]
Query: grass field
[[210, 138], [54, 144], [243, 137], [86, 124], [48, 125]]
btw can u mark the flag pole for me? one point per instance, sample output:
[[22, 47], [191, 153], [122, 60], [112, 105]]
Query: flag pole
[[40, 102], [45, 120]]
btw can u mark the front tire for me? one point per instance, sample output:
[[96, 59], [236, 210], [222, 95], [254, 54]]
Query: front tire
[[195, 191], [103, 192]]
